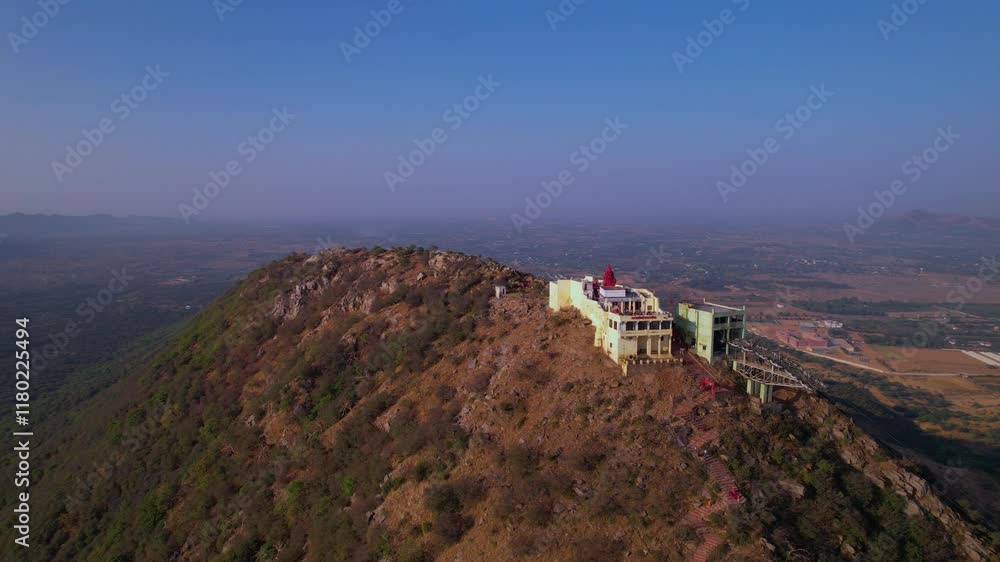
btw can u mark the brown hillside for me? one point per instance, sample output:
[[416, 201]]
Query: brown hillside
[[384, 405]]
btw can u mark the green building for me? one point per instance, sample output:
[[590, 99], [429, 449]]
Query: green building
[[706, 327]]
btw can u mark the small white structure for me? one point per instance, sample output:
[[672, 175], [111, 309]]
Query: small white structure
[[500, 290]]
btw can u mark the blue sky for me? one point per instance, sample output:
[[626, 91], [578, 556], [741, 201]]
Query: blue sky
[[557, 87]]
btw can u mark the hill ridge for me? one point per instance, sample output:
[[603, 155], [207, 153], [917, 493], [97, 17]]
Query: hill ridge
[[385, 405]]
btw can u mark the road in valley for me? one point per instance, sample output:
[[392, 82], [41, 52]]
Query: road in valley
[[868, 367]]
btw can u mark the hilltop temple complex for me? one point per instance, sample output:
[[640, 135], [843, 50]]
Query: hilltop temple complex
[[629, 324], [632, 329]]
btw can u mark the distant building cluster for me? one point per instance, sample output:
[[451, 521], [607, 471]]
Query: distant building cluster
[[814, 342], [821, 324]]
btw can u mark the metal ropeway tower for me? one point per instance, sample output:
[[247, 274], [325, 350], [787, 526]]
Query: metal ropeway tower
[[765, 369]]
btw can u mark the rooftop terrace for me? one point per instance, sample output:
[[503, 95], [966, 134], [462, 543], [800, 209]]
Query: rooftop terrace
[[714, 308]]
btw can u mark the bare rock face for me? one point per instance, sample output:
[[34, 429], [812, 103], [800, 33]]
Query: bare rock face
[[288, 306], [384, 422], [864, 453], [794, 488], [359, 302], [377, 516], [441, 261], [464, 418]]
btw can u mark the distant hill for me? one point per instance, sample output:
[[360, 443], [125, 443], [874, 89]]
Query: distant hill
[[925, 220], [61, 226], [382, 405]]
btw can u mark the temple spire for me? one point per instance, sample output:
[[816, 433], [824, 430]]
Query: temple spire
[[609, 277]]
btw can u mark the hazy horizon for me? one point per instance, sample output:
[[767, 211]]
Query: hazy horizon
[[675, 116]]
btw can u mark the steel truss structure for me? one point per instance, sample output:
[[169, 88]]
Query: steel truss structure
[[765, 366]]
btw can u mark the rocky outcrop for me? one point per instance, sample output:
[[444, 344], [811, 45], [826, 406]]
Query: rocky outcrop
[[795, 489], [865, 454], [288, 306], [442, 261]]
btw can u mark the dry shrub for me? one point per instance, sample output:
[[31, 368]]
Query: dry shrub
[[525, 543], [449, 527], [479, 382], [535, 373], [597, 549], [444, 392], [589, 456], [521, 459]]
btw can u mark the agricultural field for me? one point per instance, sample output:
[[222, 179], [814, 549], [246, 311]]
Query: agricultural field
[[929, 361]]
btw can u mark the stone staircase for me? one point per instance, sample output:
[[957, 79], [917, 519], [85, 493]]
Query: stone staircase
[[703, 438], [701, 514], [686, 409], [711, 539], [717, 472]]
